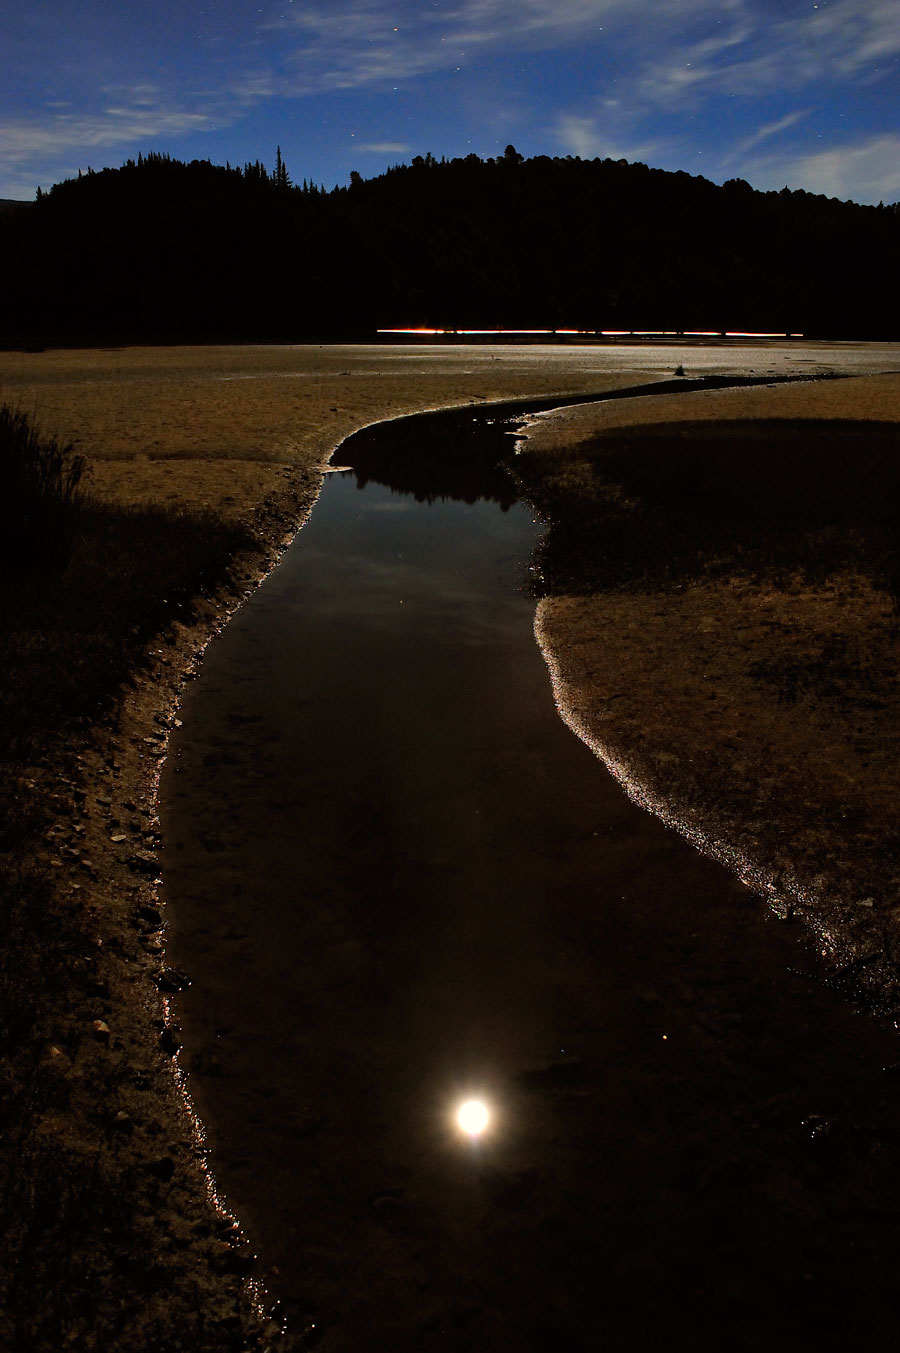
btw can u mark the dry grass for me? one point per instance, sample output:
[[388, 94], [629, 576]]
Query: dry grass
[[721, 625], [661, 507], [78, 602]]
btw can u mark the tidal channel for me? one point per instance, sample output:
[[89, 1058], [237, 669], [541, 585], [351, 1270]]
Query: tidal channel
[[398, 881]]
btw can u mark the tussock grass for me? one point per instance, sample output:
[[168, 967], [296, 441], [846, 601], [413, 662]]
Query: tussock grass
[[40, 482]]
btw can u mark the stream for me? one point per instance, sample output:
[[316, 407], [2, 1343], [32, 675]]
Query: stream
[[397, 882]]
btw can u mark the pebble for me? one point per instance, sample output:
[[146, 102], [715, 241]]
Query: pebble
[[233, 1259], [142, 862], [172, 979], [169, 1041]]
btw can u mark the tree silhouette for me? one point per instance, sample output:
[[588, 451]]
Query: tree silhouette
[[167, 251]]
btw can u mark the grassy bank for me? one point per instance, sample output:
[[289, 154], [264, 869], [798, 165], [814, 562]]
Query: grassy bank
[[660, 508], [721, 617], [83, 588]]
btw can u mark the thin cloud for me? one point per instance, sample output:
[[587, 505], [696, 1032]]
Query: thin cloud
[[355, 45], [858, 33], [361, 43], [254, 86], [866, 172], [585, 137], [22, 138], [385, 147], [56, 145], [843, 40], [771, 129]]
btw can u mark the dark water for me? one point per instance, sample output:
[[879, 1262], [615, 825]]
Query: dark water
[[397, 879]]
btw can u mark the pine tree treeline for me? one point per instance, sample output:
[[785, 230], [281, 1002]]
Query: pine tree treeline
[[161, 250]]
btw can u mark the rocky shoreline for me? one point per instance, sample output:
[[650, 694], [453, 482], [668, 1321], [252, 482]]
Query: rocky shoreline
[[188, 1281]]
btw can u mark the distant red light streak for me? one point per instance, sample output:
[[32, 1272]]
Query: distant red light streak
[[599, 333]]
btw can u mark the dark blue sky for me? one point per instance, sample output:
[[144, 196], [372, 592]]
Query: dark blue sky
[[774, 91]]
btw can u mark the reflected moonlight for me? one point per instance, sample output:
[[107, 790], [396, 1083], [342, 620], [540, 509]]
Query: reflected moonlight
[[473, 1117]]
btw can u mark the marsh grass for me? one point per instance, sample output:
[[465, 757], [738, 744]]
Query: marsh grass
[[40, 484], [83, 588], [779, 502]]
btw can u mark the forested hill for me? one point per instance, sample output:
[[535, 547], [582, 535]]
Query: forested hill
[[166, 251]]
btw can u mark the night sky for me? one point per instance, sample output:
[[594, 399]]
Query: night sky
[[778, 92]]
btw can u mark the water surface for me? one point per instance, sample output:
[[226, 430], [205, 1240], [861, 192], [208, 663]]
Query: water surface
[[396, 880]]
